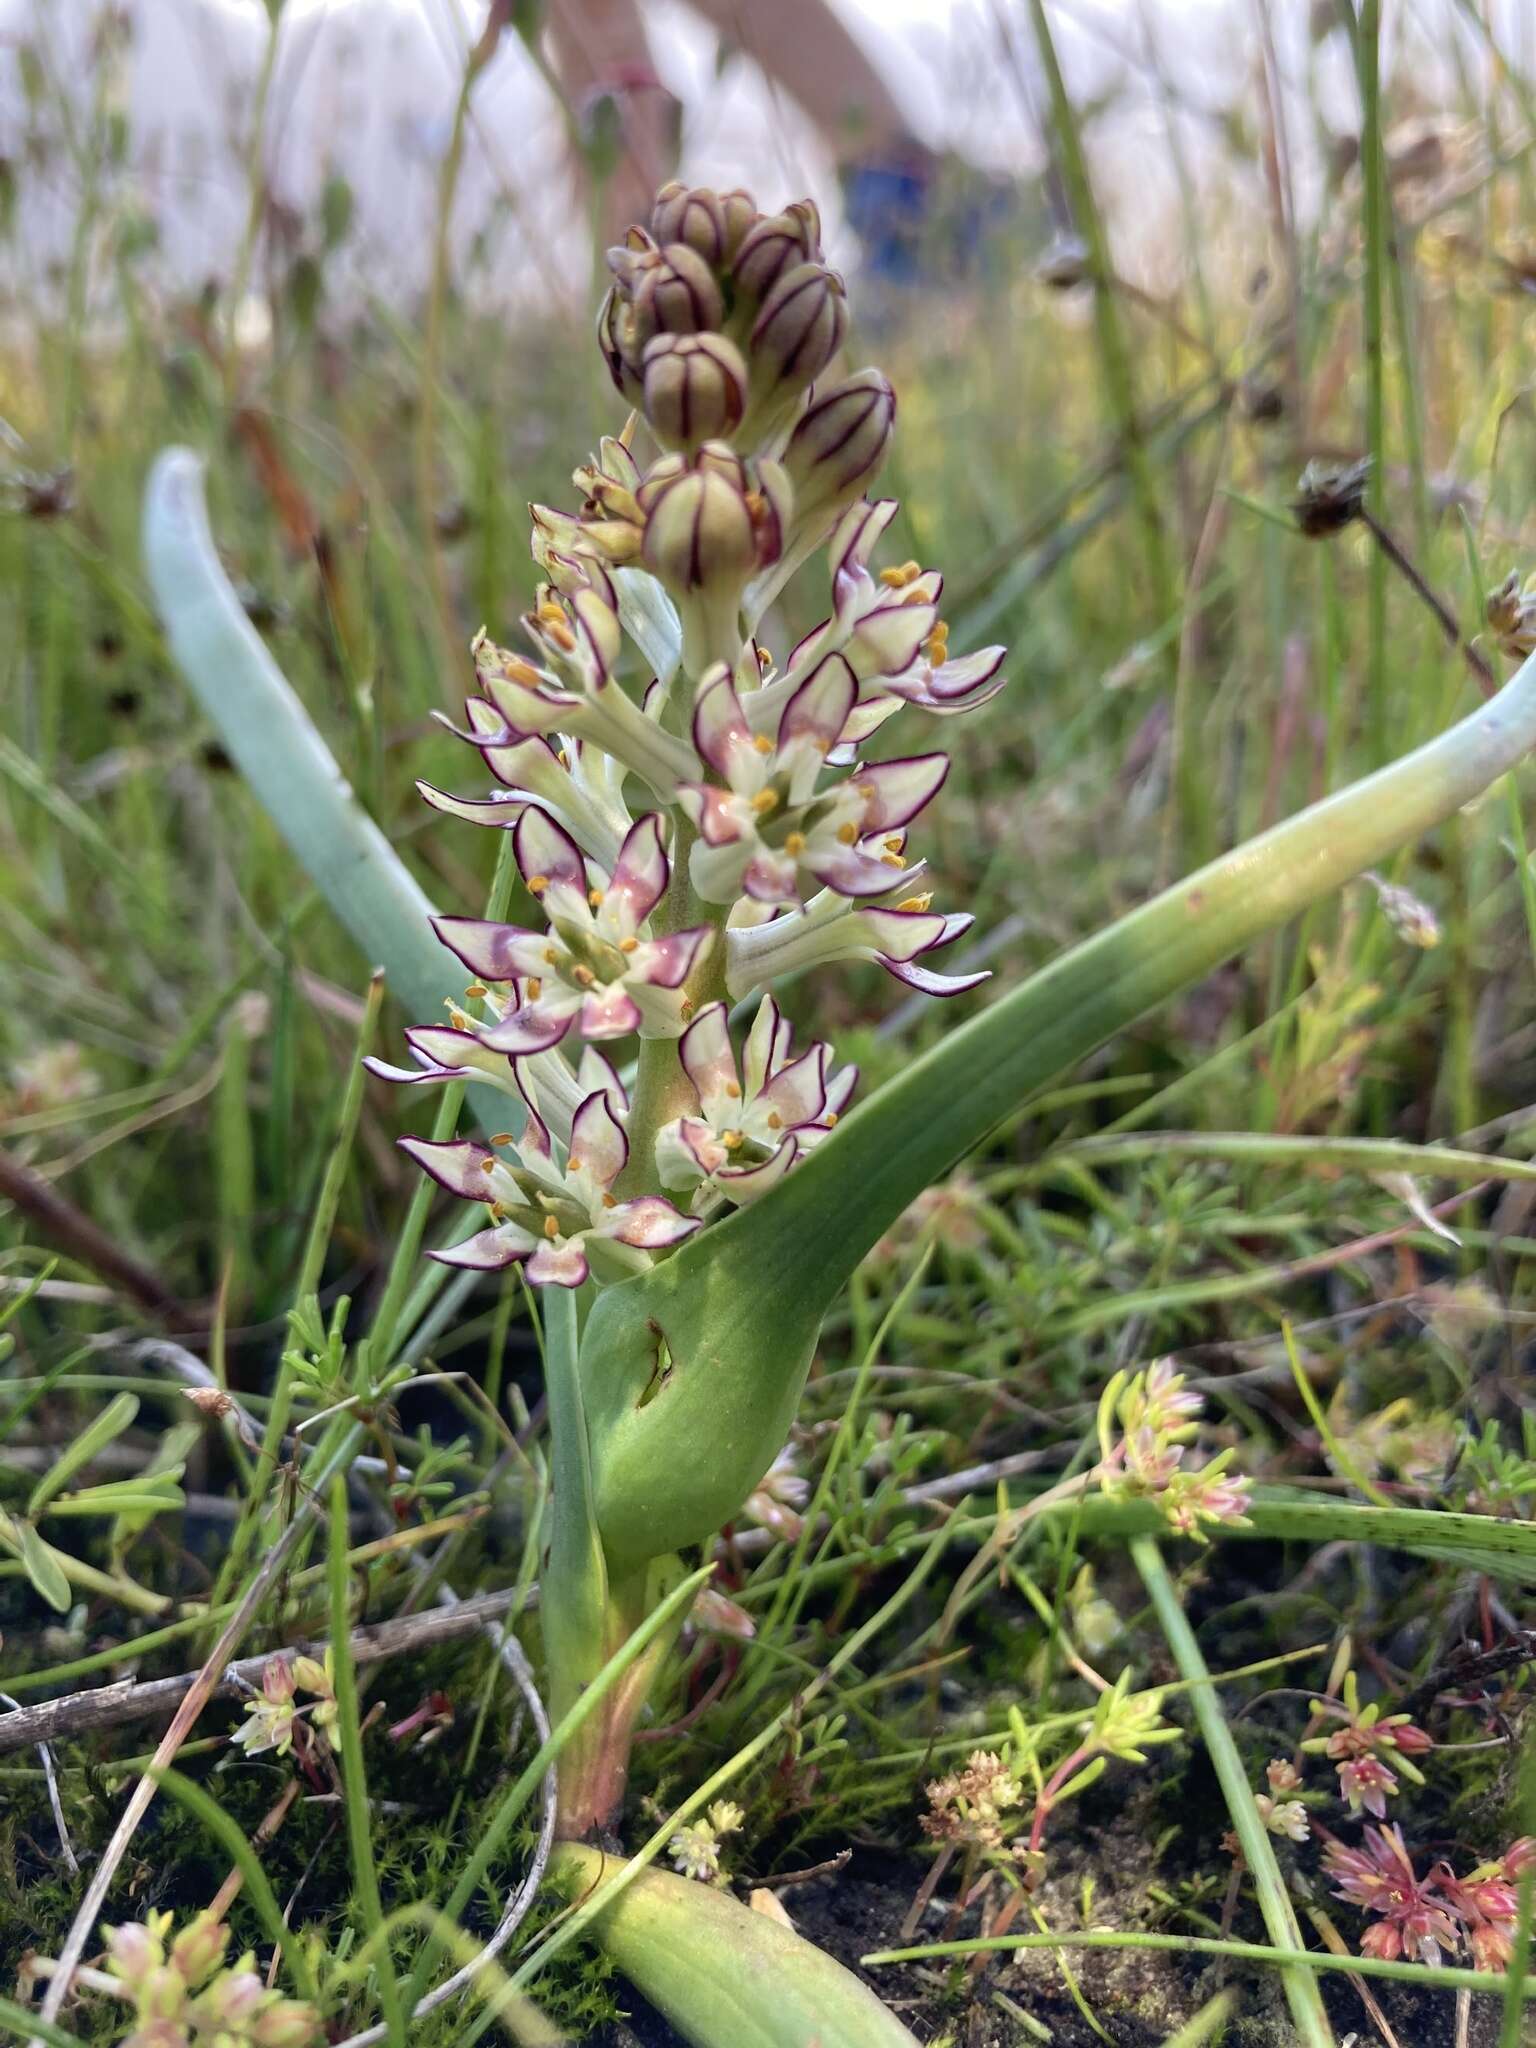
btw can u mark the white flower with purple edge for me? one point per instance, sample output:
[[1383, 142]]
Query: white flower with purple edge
[[755, 1122], [592, 968], [768, 826], [828, 928], [555, 1219]]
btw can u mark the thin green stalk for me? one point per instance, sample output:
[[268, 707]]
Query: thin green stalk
[[1291, 1958], [495, 1831], [280, 1413], [1301, 1991], [1377, 257], [354, 1783], [237, 1846], [30, 2026]]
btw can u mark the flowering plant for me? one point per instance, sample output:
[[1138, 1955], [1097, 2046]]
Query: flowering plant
[[697, 814]]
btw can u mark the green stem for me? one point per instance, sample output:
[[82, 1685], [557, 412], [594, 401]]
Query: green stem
[[1374, 226], [1301, 1989]]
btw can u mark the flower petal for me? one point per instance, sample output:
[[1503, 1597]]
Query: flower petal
[[638, 882], [488, 1250], [463, 1167], [610, 1012], [707, 1057], [558, 1262], [719, 723], [547, 855], [649, 1222], [668, 962], [598, 1144], [895, 791], [818, 710]]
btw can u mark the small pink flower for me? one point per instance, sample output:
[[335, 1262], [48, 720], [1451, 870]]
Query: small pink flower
[[1413, 1917], [1366, 1782]]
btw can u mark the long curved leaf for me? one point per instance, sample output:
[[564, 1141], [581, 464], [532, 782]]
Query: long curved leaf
[[275, 745], [722, 1332]]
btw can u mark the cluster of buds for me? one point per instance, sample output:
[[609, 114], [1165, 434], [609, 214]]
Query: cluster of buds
[[1435, 1916], [695, 1848], [1359, 1746], [1146, 1422], [277, 1716], [971, 1807], [184, 1995], [693, 815]]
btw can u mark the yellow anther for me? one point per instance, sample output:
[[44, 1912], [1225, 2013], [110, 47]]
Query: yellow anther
[[474, 992], [459, 1017], [915, 902], [502, 1138], [595, 898], [762, 744], [830, 1118], [903, 574], [794, 844], [551, 956], [495, 1211], [765, 801], [583, 976], [573, 1164], [733, 1089], [610, 1201], [731, 1140], [533, 988], [537, 884], [562, 636], [775, 1121], [628, 945], [564, 758], [551, 1227], [486, 1164], [764, 660], [893, 860], [516, 670], [550, 614], [847, 834], [936, 646], [895, 843]]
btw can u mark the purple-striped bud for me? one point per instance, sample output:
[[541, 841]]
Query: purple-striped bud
[[838, 446], [798, 331], [673, 292], [776, 243], [711, 223], [699, 524], [695, 388]]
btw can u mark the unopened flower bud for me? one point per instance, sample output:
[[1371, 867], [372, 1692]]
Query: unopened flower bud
[[799, 330], [698, 526], [776, 243], [287, 2024], [838, 446], [132, 1952], [232, 2000], [199, 1949], [695, 388], [674, 293], [615, 322], [711, 223], [1330, 496]]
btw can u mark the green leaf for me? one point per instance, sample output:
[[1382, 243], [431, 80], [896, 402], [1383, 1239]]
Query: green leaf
[[738, 1308], [274, 743], [725, 1976], [42, 1567], [108, 1425]]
